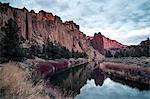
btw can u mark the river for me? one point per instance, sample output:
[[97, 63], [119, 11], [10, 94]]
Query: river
[[88, 82], [110, 90]]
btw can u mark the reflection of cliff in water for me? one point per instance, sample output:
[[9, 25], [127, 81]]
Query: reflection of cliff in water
[[71, 80], [98, 76]]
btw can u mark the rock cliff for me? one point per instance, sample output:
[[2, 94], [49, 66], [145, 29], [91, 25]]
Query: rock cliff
[[39, 26], [109, 44], [100, 42]]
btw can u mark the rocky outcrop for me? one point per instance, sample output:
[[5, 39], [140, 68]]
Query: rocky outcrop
[[39, 26], [112, 44], [100, 42], [97, 42], [145, 42]]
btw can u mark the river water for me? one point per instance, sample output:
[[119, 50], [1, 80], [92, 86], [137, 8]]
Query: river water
[[110, 90], [86, 82]]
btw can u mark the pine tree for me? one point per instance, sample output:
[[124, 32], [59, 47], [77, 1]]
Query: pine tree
[[108, 54], [10, 47], [48, 49]]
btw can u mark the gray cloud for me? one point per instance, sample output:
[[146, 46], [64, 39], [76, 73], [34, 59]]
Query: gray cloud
[[117, 19]]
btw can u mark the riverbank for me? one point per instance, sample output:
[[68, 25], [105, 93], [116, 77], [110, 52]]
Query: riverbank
[[51, 67], [134, 61], [15, 83], [32, 74], [132, 73]]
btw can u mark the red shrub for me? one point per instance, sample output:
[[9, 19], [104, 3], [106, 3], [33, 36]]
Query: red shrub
[[44, 68], [50, 67]]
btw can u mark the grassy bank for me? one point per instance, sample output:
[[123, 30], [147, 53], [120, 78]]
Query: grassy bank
[[15, 83], [131, 73], [140, 61]]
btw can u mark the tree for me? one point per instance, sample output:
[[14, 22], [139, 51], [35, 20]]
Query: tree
[[66, 53], [108, 54], [10, 48], [48, 49], [56, 51], [117, 55], [34, 50]]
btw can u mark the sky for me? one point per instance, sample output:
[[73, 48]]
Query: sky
[[127, 21]]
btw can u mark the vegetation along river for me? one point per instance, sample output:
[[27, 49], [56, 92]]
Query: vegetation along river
[[82, 82]]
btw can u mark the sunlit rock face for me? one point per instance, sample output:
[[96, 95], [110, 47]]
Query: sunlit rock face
[[109, 44], [39, 26], [100, 42]]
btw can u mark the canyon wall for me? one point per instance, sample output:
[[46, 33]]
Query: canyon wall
[[100, 43], [36, 27], [97, 43], [109, 44]]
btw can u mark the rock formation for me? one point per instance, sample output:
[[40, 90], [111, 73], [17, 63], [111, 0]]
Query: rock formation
[[39, 26], [100, 42], [109, 44], [97, 42], [145, 42]]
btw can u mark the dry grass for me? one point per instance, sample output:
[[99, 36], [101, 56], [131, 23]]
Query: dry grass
[[15, 85], [140, 61]]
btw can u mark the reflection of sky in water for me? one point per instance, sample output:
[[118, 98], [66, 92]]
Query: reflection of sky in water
[[111, 90]]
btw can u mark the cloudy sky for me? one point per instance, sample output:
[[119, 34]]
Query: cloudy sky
[[127, 21]]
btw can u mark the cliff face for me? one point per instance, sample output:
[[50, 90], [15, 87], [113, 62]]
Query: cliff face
[[108, 43], [97, 43], [100, 42], [39, 26]]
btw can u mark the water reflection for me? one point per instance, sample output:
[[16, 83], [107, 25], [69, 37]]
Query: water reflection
[[92, 82], [98, 76], [70, 81], [111, 90]]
